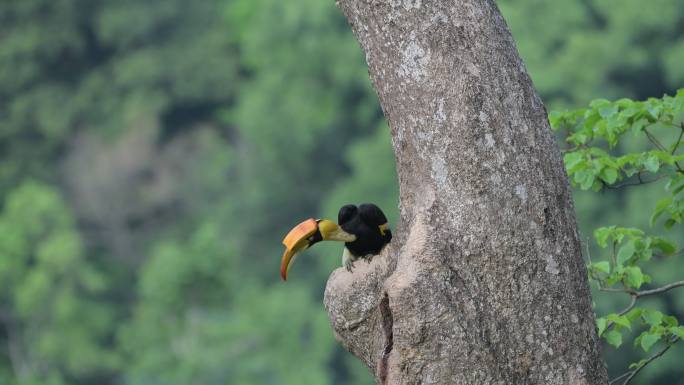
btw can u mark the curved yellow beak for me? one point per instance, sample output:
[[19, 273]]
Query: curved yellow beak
[[288, 259], [295, 241], [300, 238]]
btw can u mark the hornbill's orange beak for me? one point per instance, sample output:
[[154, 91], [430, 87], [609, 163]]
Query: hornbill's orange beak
[[306, 234]]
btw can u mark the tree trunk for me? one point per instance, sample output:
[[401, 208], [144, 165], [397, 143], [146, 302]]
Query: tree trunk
[[484, 282]]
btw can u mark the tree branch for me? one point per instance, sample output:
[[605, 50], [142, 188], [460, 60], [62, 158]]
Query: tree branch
[[681, 125], [639, 183], [636, 371], [654, 140], [643, 293], [661, 147], [638, 294], [676, 145], [660, 289], [624, 311]]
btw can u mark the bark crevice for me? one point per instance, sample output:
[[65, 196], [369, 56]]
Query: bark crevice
[[387, 325]]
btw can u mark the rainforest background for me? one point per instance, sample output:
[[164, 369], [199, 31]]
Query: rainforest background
[[154, 153]]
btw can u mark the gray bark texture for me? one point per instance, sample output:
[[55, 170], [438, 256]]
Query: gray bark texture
[[484, 282]]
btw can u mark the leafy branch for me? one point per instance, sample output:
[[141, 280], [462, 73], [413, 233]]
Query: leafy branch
[[642, 364], [593, 161], [637, 294]]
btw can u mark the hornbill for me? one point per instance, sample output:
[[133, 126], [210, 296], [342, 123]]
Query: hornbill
[[364, 231]]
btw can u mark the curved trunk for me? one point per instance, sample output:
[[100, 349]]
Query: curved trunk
[[484, 282]]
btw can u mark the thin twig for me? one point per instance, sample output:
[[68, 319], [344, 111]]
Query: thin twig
[[617, 290], [629, 307], [674, 149], [661, 147], [681, 125], [650, 359], [618, 378], [643, 293], [588, 252], [623, 312], [660, 289], [640, 182], [654, 140], [638, 294]]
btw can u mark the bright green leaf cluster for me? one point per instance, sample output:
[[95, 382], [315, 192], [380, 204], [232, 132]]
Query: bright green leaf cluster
[[659, 327], [594, 134], [627, 247], [672, 207], [607, 121], [595, 160]]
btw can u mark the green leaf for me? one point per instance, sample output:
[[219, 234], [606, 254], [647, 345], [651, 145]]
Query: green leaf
[[614, 338], [648, 340], [661, 206], [601, 235], [626, 252], [669, 223], [678, 331], [607, 111], [652, 317], [619, 320], [603, 267], [638, 126], [625, 104], [578, 138], [572, 159], [609, 175], [675, 185], [634, 278], [587, 180], [601, 325], [652, 163], [599, 103], [634, 313], [664, 245], [670, 321], [555, 118], [664, 157], [654, 109]]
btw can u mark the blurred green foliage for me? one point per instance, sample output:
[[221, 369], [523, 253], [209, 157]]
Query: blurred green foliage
[[56, 326], [153, 154]]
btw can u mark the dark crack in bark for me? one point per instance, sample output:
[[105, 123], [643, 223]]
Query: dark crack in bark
[[387, 324]]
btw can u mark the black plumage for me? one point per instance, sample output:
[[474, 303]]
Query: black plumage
[[369, 224]]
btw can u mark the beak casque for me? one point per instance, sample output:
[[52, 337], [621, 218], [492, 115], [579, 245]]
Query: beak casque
[[295, 241]]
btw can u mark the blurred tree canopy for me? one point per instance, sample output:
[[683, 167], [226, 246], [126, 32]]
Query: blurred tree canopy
[[153, 154]]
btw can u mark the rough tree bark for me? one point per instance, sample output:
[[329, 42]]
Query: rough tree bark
[[484, 282]]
